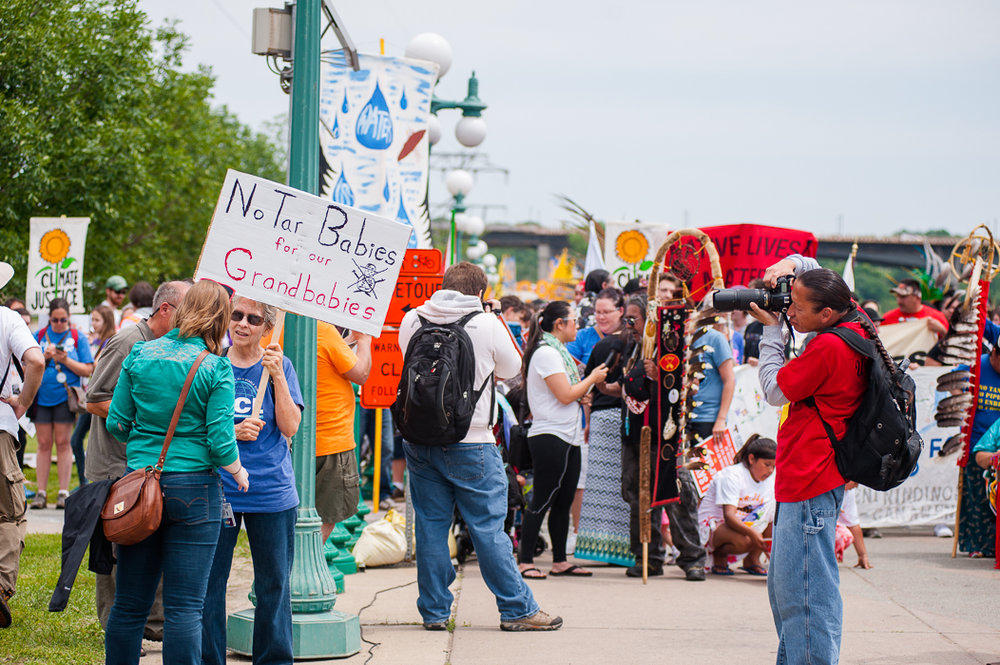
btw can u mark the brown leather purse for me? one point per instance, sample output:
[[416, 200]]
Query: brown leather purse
[[134, 506]]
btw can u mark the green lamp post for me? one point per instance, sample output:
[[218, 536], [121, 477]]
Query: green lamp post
[[318, 631]]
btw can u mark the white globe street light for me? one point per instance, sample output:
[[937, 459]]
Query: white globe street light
[[474, 225], [459, 182], [470, 131], [473, 252], [433, 129], [433, 47], [490, 261]]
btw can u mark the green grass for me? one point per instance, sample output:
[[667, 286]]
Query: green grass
[[40, 637], [70, 637]]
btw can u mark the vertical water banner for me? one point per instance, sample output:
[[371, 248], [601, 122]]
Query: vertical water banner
[[55, 262], [373, 137]]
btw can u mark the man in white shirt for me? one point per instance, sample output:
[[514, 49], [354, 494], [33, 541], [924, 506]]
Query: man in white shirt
[[468, 474], [16, 342]]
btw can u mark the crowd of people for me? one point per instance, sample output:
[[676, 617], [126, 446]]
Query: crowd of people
[[575, 368]]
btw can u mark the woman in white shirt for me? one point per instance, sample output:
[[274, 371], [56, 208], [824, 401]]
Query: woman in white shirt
[[736, 512], [554, 391]]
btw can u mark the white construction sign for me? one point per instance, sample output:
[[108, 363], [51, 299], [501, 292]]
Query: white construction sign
[[291, 249]]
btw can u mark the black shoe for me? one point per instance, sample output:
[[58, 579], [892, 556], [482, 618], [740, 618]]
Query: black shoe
[[696, 574], [435, 625], [636, 570], [5, 618]]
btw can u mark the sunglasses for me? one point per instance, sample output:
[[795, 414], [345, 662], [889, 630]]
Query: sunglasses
[[252, 319], [122, 292], [630, 320], [58, 320]]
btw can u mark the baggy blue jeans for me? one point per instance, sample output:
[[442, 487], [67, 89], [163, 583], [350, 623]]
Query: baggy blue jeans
[[272, 548], [470, 476], [803, 581], [181, 550]]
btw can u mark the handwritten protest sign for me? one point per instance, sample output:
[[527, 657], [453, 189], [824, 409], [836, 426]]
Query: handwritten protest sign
[[55, 262], [304, 254]]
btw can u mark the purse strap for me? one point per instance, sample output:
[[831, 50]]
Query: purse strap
[[177, 410]]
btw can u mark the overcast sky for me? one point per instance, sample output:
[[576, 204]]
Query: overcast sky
[[861, 116]]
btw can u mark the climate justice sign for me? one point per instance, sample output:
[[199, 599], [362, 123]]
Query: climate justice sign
[[304, 254]]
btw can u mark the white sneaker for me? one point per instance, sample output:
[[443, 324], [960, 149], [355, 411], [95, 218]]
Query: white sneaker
[[942, 531], [571, 542]]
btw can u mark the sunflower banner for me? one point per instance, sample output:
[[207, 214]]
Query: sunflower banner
[[629, 249], [55, 262]]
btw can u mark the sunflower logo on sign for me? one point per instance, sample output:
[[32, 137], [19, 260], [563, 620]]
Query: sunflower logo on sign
[[631, 246], [54, 246], [54, 249]]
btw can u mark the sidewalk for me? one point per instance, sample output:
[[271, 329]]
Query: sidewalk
[[916, 606]]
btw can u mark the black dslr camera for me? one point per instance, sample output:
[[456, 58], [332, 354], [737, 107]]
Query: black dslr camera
[[772, 300]]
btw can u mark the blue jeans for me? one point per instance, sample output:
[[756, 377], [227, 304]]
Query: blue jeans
[[181, 550], [803, 581], [470, 476], [272, 547], [368, 429]]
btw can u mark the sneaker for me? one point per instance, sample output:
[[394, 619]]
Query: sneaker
[[636, 570], [435, 625], [696, 574], [386, 504], [39, 501], [5, 618], [397, 494], [61, 500], [942, 531], [537, 621]]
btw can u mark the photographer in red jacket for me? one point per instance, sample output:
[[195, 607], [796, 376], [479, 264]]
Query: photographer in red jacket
[[803, 580]]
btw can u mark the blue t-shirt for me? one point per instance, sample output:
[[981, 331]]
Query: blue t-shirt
[[51, 392], [581, 347], [988, 402], [268, 460], [710, 390], [738, 346]]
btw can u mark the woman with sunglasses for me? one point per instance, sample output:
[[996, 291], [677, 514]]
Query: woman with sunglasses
[[554, 390], [67, 358], [182, 548], [269, 508]]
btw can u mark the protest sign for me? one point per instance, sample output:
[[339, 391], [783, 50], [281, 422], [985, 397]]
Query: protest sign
[[296, 251], [745, 252], [374, 141], [55, 262], [909, 339], [717, 457], [929, 495]]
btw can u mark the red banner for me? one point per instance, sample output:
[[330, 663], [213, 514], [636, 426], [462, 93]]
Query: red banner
[[745, 252]]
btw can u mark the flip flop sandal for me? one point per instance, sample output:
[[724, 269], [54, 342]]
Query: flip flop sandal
[[572, 571], [532, 574], [722, 570], [758, 571]]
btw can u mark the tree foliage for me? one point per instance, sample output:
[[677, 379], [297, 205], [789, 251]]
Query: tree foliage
[[98, 120]]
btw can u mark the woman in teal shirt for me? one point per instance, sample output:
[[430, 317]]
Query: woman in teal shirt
[[181, 550]]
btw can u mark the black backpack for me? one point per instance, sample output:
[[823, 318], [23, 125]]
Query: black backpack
[[436, 396], [881, 446]]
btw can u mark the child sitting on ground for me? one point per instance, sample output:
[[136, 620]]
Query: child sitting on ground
[[849, 529], [736, 512]]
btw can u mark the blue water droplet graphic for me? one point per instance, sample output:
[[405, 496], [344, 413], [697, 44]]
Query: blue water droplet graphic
[[336, 127], [342, 192], [402, 101], [385, 191], [401, 216], [374, 126], [344, 107]]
